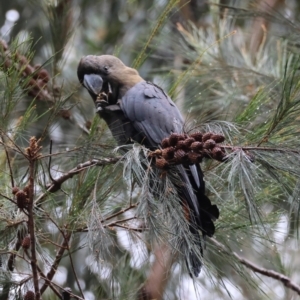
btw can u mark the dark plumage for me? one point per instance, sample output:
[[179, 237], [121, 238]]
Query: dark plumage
[[136, 110]]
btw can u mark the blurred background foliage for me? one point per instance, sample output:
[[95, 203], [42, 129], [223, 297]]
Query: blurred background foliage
[[231, 66]]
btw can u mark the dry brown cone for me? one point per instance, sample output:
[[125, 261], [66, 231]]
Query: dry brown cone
[[65, 114], [188, 142], [206, 136], [21, 199], [165, 143], [218, 138], [194, 157], [197, 136], [26, 242], [14, 190], [155, 153], [209, 144], [161, 163], [174, 138], [197, 146], [26, 189], [181, 145], [44, 75], [33, 150], [88, 124], [37, 85], [218, 153], [168, 153], [30, 295], [180, 155]]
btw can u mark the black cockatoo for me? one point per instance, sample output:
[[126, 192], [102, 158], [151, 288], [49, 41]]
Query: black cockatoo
[[140, 111]]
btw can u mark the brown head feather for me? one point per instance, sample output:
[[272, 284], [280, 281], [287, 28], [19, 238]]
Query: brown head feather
[[111, 69]]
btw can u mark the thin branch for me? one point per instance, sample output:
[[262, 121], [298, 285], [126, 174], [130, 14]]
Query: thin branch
[[32, 156], [10, 267], [49, 162], [73, 270], [9, 199], [121, 211], [60, 153], [120, 221], [109, 225], [50, 283], [43, 275], [56, 262], [66, 238], [16, 149], [259, 148], [48, 241], [65, 289], [9, 164], [56, 184], [286, 281], [130, 228]]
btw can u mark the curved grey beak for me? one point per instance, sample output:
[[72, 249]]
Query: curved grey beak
[[93, 83]]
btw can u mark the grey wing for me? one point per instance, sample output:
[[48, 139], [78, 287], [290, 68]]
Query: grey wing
[[151, 112], [154, 114]]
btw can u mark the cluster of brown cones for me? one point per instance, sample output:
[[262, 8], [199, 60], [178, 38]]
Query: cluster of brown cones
[[189, 149], [37, 85]]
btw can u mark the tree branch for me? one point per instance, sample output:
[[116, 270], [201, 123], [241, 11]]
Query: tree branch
[[32, 152], [271, 149], [286, 281], [42, 275], [55, 185], [56, 262]]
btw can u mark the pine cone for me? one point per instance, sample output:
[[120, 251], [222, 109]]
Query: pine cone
[[206, 136], [26, 242], [165, 143], [21, 199], [14, 190], [26, 190], [180, 155], [155, 153], [188, 142], [174, 138], [217, 153], [197, 136], [88, 124], [168, 153], [180, 144], [161, 163], [209, 144], [44, 75], [30, 295], [196, 146], [218, 138], [65, 114], [194, 157]]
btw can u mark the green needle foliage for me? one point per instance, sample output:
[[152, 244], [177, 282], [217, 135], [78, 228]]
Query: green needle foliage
[[77, 211]]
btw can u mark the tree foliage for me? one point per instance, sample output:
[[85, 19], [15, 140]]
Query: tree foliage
[[82, 217]]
